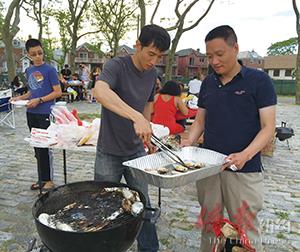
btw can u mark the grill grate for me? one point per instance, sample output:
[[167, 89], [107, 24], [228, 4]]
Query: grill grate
[[93, 212]]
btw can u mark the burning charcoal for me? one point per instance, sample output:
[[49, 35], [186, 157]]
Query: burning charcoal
[[137, 208], [127, 194], [111, 189], [126, 204], [136, 195], [115, 214], [70, 206]]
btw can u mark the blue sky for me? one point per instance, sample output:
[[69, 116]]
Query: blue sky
[[258, 23]]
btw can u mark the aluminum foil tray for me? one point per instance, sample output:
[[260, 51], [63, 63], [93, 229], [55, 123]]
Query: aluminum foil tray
[[144, 167]]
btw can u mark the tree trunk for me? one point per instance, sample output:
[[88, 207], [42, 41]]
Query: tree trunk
[[40, 20], [171, 54], [10, 59], [73, 54], [9, 32], [298, 75], [143, 13]]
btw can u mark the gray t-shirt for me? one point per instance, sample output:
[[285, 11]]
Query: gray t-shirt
[[136, 88]]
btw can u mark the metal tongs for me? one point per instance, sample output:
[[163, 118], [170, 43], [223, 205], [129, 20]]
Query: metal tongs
[[165, 149]]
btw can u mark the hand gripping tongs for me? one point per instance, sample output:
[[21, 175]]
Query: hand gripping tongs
[[165, 149]]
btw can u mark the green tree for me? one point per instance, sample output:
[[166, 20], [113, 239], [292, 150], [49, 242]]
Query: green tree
[[116, 18], [298, 55], [62, 17], [286, 47], [9, 30], [48, 41], [1, 18], [182, 25], [34, 10]]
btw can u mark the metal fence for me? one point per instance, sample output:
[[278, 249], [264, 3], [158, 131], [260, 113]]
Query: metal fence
[[285, 87]]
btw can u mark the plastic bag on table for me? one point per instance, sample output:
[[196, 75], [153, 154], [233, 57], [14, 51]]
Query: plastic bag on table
[[67, 134], [41, 138], [160, 130], [62, 115]]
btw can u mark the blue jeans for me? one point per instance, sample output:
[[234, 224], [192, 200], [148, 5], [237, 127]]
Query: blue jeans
[[109, 168]]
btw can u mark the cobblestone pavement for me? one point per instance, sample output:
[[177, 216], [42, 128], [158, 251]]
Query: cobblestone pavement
[[176, 226]]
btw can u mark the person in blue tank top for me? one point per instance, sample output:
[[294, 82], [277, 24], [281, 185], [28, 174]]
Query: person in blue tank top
[[237, 115], [43, 89]]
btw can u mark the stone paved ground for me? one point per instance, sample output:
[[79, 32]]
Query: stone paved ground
[[176, 226]]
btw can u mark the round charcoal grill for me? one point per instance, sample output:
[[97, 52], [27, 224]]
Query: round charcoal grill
[[117, 236]]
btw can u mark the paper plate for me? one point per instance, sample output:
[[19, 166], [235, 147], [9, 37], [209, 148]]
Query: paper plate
[[20, 102]]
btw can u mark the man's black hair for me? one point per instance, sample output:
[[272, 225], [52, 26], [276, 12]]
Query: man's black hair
[[171, 88], [225, 32], [156, 35], [32, 43]]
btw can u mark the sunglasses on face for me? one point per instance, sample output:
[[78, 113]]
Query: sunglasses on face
[[35, 54]]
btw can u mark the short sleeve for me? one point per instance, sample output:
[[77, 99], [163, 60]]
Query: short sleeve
[[110, 73], [53, 77], [201, 94], [151, 97], [265, 92]]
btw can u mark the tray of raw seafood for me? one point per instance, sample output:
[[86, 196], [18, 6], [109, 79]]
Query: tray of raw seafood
[[159, 170]]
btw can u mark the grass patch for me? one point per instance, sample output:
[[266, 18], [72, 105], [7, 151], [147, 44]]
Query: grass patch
[[280, 236], [189, 227], [88, 117], [282, 215], [180, 214], [164, 242]]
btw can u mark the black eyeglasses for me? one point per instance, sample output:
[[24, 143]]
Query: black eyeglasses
[[36, 54]]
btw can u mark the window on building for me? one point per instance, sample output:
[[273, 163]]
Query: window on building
[[191, 61], [83, 56], [288, 72], [276, 72], [266, 71]]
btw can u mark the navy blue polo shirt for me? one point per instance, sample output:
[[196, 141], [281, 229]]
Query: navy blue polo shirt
[[232, 111]]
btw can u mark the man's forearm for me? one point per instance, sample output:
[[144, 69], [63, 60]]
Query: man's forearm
[[53, 95], [147, 111], [259, 142], [24, 96], [267, 118]]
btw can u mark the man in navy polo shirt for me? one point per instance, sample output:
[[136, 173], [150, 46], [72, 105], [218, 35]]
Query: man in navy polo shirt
[[237, 115]]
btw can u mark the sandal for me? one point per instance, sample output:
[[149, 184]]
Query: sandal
[[36, 186], [48, 186]]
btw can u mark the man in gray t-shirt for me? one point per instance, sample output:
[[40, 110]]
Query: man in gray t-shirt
[[126, 90]]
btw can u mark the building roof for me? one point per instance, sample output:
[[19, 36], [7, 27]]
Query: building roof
[[84, 45], [187, 52], [280, 62], [127, 48], [249, 55]]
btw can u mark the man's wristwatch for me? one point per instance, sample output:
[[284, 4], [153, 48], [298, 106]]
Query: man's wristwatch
[[41, 100]]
